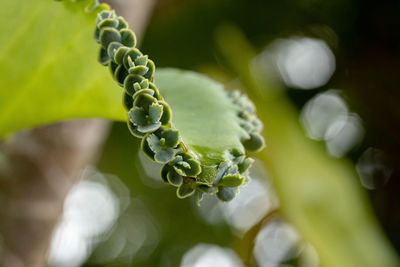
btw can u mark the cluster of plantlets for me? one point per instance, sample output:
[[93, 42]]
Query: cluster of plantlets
[[150, 118], [248, 121]]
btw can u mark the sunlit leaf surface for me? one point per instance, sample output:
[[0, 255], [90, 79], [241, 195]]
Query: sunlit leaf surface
[[48, 67]]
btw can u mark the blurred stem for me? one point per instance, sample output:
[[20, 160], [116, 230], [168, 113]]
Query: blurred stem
[[319, 195], [38, 169]]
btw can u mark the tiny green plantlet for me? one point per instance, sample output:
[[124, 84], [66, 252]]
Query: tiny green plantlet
[[189, 166]]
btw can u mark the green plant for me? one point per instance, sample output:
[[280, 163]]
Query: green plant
[[204, 156], [189, 163], [48, 56]]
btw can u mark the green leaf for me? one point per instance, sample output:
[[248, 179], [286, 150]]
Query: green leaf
[[205, 117], [119, 55], [154, 142], [143, 99], [146, 100], [128, 38], [186, 189], [137, 116], [254, 143], [110, 22], [162, 154], [127, 101], [245, 164], [133, 129], [141, 60], [171, 137], [149, 127], [120, 75], [319, 195], [185, 165], [145, 147], [232, 180], [122, 24], [174, 178], [227, 193], [48, 66], [139, 70], [167, 114], [155, 112], [104, 58], [112, 49], [130, 56]]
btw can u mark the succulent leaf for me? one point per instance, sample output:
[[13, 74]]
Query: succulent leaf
[[254, 143], [149, 128], [108, 22], [134, 131], [155, 112], [103, 57], [245, 164], [112, 49], [127, 101], [162, 153], [186, 189], [130, 81], [184, 164], [174, 178], [164, 173], [146, 149], [151, 69], [109, 35], [231, 180], [120, 75], [130, 56], [171, 137], [122, 24], [204, 157], [138, 70], [144, 99], [144, 84], [128, 38], [141, 60], [167, 114], [227, 193]]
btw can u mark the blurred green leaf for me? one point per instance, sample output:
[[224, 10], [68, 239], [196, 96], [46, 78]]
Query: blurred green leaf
[[48, 66], [319, 195]]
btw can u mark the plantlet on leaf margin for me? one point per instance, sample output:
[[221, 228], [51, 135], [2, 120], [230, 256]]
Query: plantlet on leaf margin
[[150, 116]]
